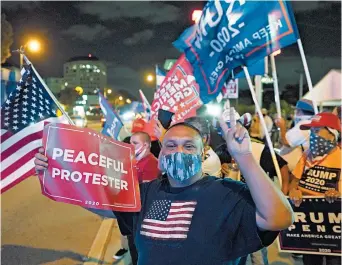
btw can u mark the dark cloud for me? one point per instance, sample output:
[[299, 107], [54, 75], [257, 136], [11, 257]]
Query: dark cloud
[[139, 37], [16, 5], [87, 33], [153, 12]]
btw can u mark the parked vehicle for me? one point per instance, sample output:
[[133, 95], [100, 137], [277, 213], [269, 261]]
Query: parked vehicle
[[80, 121]]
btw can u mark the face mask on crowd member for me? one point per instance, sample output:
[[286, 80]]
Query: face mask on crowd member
[[296, 137], [324, 129], [304, 111], [182, 153], [142, 144]]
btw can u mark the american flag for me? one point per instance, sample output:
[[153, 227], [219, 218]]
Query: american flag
[[23, 116], [168, 220]]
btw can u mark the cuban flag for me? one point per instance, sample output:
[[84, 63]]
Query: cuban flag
[[113, 123]]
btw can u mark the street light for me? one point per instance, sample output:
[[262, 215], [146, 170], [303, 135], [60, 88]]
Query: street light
[[149, 78], [128, 101], [120, 98], [109, 91], [32, 45]]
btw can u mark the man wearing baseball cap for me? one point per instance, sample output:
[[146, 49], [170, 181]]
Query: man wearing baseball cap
[[319, 169], [295, 141]]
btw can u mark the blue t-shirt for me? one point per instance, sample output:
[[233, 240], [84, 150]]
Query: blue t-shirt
[[211, 222]]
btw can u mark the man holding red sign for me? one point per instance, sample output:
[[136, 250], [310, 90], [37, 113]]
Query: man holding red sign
[[177, 213]]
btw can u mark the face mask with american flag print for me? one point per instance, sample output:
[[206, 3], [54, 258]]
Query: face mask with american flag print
[[181, 166]]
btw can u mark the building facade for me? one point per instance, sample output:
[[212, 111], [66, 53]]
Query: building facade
[[56, 84], [10, 75], [87, 72]]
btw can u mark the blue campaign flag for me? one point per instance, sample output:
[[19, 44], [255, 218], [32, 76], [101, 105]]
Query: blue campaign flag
[[232, 34], [255, 69], [113, 123]]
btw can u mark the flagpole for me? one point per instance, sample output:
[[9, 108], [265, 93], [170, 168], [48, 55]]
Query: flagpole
[[156, 68], [307, 73], [49, 91], [275, 84], [268, 138]]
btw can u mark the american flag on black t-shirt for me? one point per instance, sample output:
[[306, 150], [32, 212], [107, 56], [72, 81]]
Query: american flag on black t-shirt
[[168, 220]]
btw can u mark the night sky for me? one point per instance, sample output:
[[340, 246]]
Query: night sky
[[131, 37]]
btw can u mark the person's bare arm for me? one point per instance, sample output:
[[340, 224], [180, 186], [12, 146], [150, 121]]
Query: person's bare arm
[[281, 124], [285, 177], [273, 211]]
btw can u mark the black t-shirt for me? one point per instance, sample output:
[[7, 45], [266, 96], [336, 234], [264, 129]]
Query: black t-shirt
[[210, 222]]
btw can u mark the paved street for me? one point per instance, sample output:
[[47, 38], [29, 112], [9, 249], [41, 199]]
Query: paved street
[[37, 230]]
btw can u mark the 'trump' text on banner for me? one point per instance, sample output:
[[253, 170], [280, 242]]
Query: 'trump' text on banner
[[316, 229]]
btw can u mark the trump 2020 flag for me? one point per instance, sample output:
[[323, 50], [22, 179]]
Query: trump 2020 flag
[[113, 123], [23, 116], [160, 75], [234, 33], [257, 68]]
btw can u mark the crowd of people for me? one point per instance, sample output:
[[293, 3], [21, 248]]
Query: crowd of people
[[224, 178]]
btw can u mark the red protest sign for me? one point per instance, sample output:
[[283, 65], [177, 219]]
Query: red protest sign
[[178, 93], [89, 169]]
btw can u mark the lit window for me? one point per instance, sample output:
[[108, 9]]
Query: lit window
[[88, 66], [74, 67]]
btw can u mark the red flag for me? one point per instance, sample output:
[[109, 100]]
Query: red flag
[[178, 93]]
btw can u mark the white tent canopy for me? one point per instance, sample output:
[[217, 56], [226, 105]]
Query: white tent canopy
[[327, 92]]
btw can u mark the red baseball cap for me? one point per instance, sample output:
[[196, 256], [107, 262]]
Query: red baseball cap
[[140, 125], [324, 119]]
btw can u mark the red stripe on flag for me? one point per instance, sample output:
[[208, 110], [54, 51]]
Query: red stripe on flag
[[151, 230], [21, 143], [5, 136], [165, 225], [17, 164], [29, 173]]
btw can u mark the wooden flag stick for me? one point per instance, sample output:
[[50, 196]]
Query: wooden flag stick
[[262, 120]]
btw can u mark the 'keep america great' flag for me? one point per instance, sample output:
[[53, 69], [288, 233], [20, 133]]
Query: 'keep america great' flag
[[232, 34]]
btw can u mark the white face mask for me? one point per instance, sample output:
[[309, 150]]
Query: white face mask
[[296, 137], [139, 153], [300, 118]]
